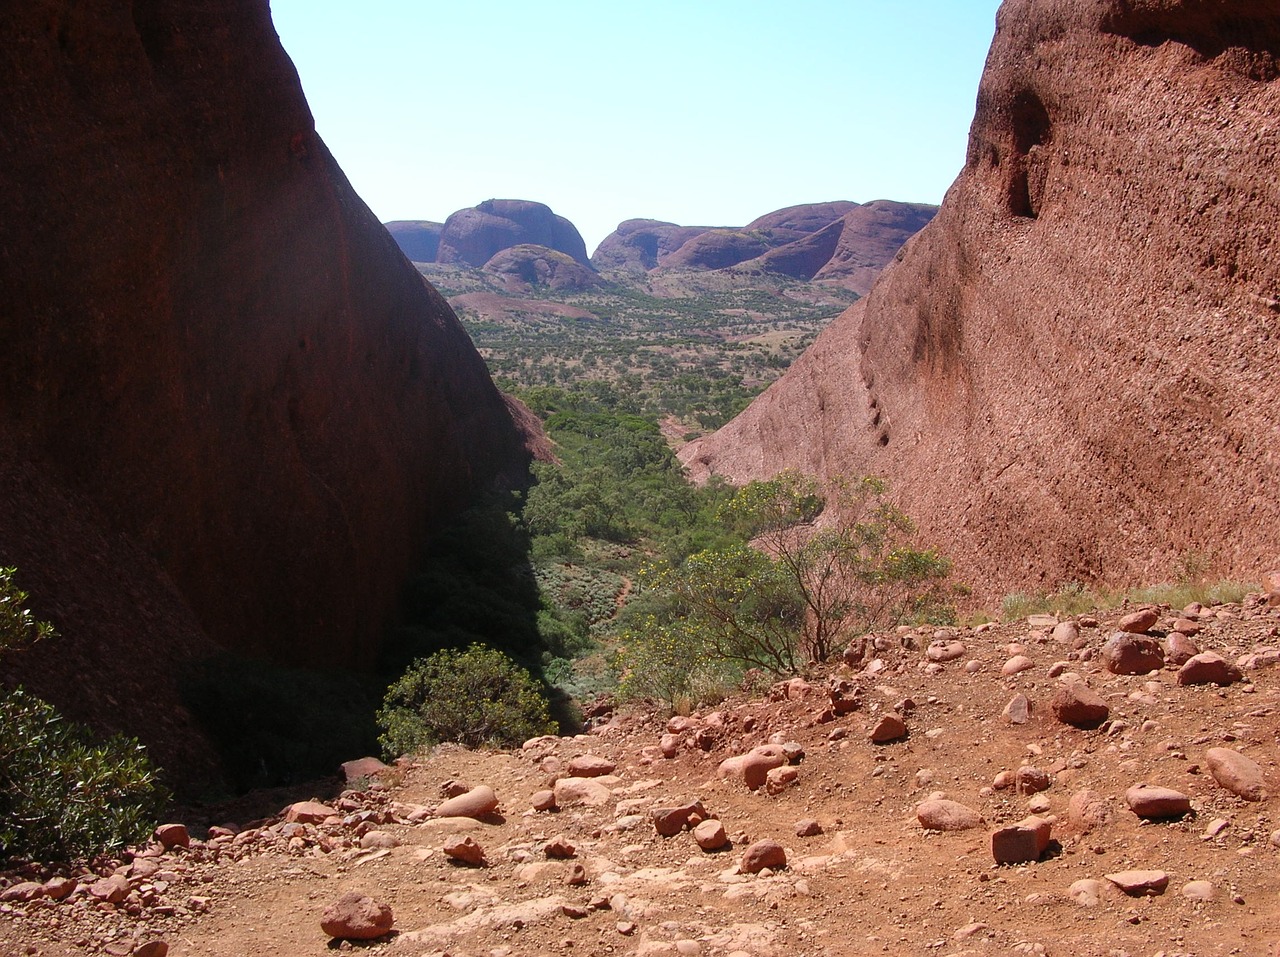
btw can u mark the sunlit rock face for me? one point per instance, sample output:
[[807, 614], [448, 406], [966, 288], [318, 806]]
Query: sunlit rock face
[[1069, 374]]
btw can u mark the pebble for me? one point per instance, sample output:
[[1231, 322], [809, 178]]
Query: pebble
[[1087, 892], [941, 651], [559, 848], [543, 801]]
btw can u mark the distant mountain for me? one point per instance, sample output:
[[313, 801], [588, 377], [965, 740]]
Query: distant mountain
[[841, 242]]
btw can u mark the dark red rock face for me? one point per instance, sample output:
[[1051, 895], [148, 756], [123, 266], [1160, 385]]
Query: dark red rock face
[[209, 338], [475, 235], [641, 244], [1069, 374], [527, 266]]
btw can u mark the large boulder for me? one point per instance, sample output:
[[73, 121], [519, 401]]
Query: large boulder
[[475, 235]]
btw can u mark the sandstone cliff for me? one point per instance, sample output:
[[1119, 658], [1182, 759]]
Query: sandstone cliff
[[1069, 374], [215, 365]]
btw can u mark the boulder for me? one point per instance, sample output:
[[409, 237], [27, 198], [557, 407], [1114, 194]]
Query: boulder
[[940, 814], [308, 812], [590, 766], [571, 792], [1156, 802], [672, 819], [1131, 654], [1237, 773], [1207, 668], [1139, 622], [710, 836], [763, 854], [1022, 842], [753, 767], [889, 728], [1140, 883], [477, 803], [355, 916], [1078, 705]]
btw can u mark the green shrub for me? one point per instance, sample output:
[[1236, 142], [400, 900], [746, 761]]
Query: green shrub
[[477, 698], [64, 795]]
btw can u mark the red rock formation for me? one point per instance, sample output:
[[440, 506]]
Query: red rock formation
[[641, 244], [419, 240], [475, 235], [870, 236], [1069, 374], [526, 266], [211, 354]]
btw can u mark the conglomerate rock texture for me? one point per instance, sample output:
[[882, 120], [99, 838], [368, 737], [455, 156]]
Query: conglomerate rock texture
[[216, 367], [1070, 373]]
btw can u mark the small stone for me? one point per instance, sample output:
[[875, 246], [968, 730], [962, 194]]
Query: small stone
[[845, 696], [1140, 883], [543, 801], [1078, 705], [1087, 810], [1148, 801], [173, 835], [941, 651], [808, 827], [626, 928], [1131, 654], [1197, 890], [669, 745], [1179, 649], [60, 888], [1065, 633], [1018, 710], [362, 769], [574, 911], [1208, 667], [1236, 773], [308, 812], [571, 792], [1029, 780], [577, 875], [464, 850], [1016, 665], [1087, 892], [710, 835], [763, 854], [779, 779], [753, 767], [559, 848], [113, 889], [590, 766], [890, 727], [378, 839], [1004, 780], [477, 803], [1139, 622], [671, 820], [940, 814], [1022, 842], [355, 916]]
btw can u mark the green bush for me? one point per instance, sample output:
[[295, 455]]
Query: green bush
[[64, 795], [477, 698]]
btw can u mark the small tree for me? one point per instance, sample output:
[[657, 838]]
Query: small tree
[[477, 698], [812, 576]]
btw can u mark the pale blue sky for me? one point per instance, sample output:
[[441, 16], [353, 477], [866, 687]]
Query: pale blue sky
[[702, 112]]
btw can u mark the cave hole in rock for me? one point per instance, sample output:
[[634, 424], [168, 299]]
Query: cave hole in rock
[[1031, 128]]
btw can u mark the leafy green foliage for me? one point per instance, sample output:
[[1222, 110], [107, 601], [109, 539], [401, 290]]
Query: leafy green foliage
[[63, 794], [18, 626], [478, 698], [800, 578]]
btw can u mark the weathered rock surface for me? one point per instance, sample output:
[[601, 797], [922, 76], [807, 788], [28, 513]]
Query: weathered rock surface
[[1156, 802], [1236, 772], [476, 234], [1022, 842], [940, 814], [1128, 654], [1208, 668], [354, 916], [232, 411], [1065, 266]]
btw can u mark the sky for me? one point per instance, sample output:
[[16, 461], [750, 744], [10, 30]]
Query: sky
[[701, 112]]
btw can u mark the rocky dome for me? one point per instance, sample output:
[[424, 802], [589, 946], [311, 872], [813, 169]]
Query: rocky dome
[[870, 236], [1068, 375], [419, 240], [475, 235], [717, 249], [527, 266], [797, 221], [231, 410], [641, 244]]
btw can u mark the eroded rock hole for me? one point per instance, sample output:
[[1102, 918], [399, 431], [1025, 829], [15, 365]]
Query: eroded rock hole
[[1027, 166]]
